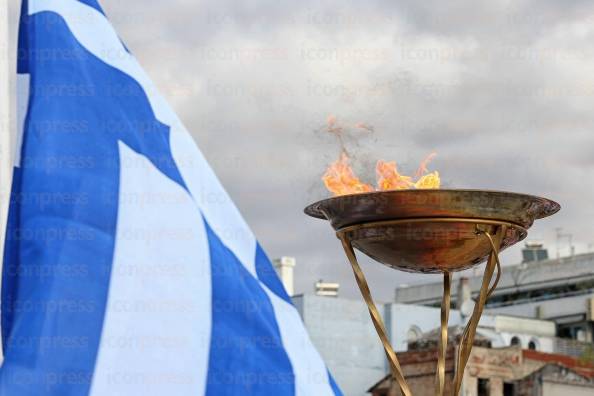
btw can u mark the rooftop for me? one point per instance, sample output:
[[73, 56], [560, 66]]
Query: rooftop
[[541, 279]]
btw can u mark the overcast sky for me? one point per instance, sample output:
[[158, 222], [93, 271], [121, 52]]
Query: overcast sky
[[502, 90]]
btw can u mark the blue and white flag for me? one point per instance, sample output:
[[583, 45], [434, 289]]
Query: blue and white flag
[[128, 270]]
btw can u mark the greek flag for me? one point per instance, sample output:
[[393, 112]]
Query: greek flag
[[128, 270]]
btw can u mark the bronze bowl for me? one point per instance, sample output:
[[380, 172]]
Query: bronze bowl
[[431, 231]]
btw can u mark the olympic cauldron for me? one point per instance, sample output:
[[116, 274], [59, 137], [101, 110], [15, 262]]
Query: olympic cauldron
[[432, 231]]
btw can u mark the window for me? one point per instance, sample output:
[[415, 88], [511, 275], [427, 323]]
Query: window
[[515, 341], [509, 389], [532, 345], [483, 387], [574, 330]]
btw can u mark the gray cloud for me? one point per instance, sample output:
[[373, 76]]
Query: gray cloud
[[501, 90]]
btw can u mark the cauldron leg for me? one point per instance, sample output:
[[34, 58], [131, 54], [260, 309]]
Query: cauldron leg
[[467, 339], [374, 313], [443, 339]]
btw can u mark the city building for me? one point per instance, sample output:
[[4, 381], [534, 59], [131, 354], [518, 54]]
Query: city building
[[560, 290], [343, 333], [541, 306], [509, 371]]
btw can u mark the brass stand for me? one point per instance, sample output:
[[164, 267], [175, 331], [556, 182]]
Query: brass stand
[[467, 339], [443, 336]]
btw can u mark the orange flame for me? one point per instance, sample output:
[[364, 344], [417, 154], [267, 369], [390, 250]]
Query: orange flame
[[341, 180], [423, 166], [430, 180], [388, 177]]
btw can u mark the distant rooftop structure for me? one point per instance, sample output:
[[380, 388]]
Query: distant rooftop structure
[[558, 277], [326, 289], [285, 267], [561, 290], [431, 339], [534, 251]]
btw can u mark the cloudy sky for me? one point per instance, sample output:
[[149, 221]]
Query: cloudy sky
[[502, 90]]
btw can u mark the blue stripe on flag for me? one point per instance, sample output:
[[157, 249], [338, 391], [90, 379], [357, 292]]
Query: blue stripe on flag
[[334, 385], [246, 355], [10, 280], [23, 55]]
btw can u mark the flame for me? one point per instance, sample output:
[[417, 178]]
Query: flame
[[388, 177], [427, 180], [341, 180], [332, 125], [364, 126], [423, 166], [430, 180], [331, 120]]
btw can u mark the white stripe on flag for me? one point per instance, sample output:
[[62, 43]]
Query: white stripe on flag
[[156, 333]]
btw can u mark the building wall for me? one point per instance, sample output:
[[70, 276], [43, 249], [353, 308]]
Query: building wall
[[549, 309], [533, 276], [494, 368], [556, 389], [342, 331], [502, 329], [496, 365], [400, 318], [543, 344]]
